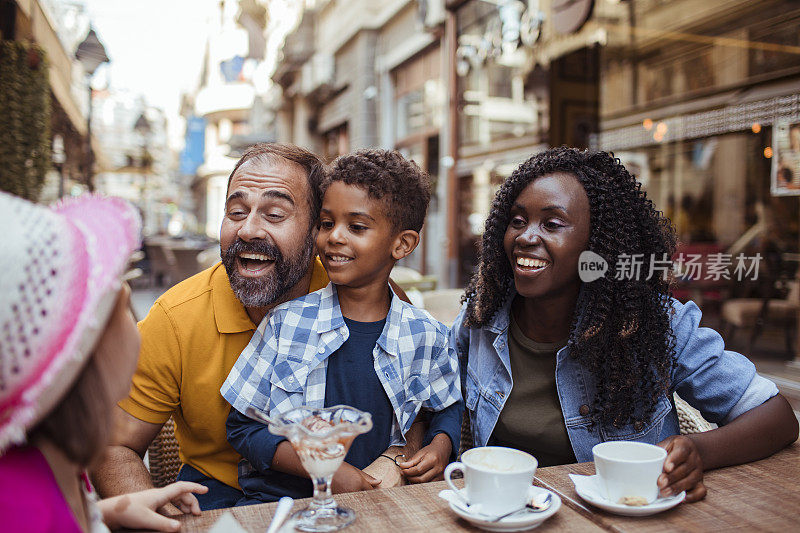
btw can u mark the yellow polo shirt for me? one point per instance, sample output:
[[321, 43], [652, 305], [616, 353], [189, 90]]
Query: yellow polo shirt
[[191, 338]]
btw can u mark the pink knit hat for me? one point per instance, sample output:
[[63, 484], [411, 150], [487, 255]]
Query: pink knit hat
[[60, 274]]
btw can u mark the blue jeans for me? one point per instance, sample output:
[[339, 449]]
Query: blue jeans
[[219, 494]]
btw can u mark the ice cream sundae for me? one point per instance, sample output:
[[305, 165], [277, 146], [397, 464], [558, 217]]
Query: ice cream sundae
[[321, 438]]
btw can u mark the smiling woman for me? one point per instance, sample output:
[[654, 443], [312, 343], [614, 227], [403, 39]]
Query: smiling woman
[[598, 360], [552, 208]]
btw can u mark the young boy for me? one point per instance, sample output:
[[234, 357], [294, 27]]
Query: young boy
[[353, 342]]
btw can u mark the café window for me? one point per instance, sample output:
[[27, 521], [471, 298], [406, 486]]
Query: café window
[[496, 85], [335, 142], [716, 190], [419, 95]]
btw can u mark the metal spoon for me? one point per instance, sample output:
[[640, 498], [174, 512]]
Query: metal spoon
[[253, 413], [284, 506], [532, 506]]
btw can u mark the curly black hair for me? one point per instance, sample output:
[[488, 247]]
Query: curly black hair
[[621, 328], [387, 176]]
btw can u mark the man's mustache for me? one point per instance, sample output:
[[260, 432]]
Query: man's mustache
[[254, 247]]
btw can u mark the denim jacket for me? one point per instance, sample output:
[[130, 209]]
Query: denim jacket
[[721, 384]]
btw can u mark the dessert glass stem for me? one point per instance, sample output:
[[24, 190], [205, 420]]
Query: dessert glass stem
[[322, 493]]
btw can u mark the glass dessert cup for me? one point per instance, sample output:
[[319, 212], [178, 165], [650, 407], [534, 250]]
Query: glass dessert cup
[[322, 438]]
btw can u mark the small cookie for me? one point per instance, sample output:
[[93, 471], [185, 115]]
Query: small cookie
[[633, 501]]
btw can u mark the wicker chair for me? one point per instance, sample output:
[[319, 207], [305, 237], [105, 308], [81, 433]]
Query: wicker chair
[[689, 419], [466, 435], [163, 456]]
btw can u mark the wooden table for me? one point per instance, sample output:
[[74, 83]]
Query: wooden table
[[760, 496], [402, 509]]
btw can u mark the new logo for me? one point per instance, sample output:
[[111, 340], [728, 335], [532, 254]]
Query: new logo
[[591, 266]]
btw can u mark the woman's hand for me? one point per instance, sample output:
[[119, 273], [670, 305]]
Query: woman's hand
[[350, 479], [137, 510], [683, 469], [428, 463]]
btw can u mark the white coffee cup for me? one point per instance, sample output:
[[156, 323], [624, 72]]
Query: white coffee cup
[[628, 469], [497, 478]]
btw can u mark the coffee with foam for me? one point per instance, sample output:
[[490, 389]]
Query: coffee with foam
[[494, 461], [497, 478]]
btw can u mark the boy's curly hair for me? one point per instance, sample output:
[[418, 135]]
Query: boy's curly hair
[[621, 328], [388, 177]]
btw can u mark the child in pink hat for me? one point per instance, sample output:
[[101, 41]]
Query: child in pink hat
[[68, 350]]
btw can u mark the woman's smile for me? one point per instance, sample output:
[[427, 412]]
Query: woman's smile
[[531, 264]]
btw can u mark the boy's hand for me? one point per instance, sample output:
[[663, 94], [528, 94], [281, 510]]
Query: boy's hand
[[350, 479], [137, 510], [428, 464], [683, 469]]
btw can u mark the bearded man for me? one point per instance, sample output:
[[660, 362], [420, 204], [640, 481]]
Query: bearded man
[[195, 331]]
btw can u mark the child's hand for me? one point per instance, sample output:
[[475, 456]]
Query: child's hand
[[137, 510], [683, 469], [428, 463], [350, 479]]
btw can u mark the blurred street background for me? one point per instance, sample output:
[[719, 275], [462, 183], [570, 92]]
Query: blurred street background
[[154, 101]]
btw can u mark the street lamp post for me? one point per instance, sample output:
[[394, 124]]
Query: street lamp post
[[143, 128], [59, 157], [91, 55]]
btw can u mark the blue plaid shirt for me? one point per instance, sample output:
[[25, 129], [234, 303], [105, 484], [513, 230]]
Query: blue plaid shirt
[[284, 365]]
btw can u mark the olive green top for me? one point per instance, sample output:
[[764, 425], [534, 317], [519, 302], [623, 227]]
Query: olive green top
[[531, 419]]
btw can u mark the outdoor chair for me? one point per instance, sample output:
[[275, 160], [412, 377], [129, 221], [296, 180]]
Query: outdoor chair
[[409, 279], [209, 257], [698, 285], [163, 456], [185, 263], [467, 442], [755, 313], [162, 264], [443, 304], [689, 419]]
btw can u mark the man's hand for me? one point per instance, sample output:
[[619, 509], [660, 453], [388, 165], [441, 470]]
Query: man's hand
[[138, 509], [121, 470], [350, 479], [683, 469], [428, 463]]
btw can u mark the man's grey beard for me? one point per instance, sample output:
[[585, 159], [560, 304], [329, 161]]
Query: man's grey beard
[[272, 288]]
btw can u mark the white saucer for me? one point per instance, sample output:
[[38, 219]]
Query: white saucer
[[587, 488], [521, 521]]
